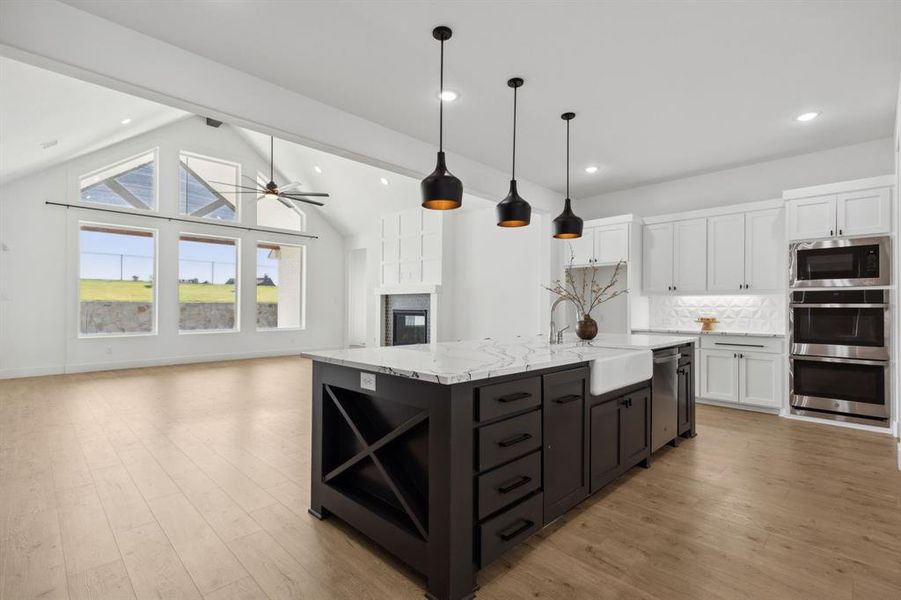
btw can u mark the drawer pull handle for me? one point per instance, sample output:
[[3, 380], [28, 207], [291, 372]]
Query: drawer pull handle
[[506, 489], [514, 397], [568, 398], [516, 439], [737, 344], [510, 534], [627, 402]]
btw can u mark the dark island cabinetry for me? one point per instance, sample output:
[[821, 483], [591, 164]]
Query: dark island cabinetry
[[448, 477]]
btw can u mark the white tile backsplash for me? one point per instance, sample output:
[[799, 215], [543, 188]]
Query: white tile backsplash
[[753, 314]]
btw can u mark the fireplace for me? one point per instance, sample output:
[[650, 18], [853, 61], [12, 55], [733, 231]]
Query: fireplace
[[407, 319], [410, 327]]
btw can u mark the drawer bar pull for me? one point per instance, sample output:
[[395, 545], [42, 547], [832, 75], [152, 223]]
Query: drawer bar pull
[[735, 344], [510, 534], [516, 439], [506, 489], [514, 397], [568, 398]]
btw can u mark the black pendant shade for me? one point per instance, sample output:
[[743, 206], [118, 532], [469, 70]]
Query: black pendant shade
[[440, 189], [567, 225], [513, 211]]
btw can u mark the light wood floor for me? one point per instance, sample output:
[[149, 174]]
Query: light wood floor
[[192, 482]]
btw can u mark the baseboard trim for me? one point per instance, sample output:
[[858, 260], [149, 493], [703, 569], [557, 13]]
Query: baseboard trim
[[142, 363], [845, 424], [747, 407]]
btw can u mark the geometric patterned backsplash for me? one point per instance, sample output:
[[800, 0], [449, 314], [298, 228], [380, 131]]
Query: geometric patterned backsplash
[[753, 314]]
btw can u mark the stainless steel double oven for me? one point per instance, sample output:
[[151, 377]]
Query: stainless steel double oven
[[840, 329]]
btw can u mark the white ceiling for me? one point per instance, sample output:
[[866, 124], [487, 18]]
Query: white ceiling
[[357, 197], [39, 106], [662, 89]]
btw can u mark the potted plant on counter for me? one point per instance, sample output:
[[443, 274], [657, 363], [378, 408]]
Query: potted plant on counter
[[588, 293]]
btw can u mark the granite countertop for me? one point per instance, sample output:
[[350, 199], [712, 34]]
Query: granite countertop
[[697, 332], [456, 362]]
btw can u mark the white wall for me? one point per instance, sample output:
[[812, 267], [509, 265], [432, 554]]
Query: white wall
[[39, 268], [762, 181]]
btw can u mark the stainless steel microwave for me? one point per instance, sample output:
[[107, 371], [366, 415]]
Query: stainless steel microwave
[[841, 263]]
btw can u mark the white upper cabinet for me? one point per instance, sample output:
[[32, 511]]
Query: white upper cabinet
[[582, 248], [864, 213], [611, 243], [867, 212], [657, 256], [765, 250], [811, 217], [726, 253], [690, 256]]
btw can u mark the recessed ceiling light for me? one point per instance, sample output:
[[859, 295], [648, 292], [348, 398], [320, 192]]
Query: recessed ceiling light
[[318, 169], [448, 95], [808, 116], [383, 181], [592, 169], [126, 121]]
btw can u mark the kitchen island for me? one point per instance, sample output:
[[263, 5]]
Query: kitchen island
[[449, 454]]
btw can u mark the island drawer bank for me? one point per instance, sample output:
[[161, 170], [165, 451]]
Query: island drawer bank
[[450, 476]]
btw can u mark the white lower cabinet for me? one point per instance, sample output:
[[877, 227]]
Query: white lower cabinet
[[736, 375]]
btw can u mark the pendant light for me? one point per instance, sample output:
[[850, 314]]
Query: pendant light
[[567, 226], [441, 190], [513, 211]]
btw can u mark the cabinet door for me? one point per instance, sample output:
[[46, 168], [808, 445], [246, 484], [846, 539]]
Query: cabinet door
[[581, 249], [657, 258], [864, 213], [811, 217], [765, 250], [611, 244], [686, 392], [604, 443], [719, 375], [690, 256], [760, 377], [564, 441], [726, 253], [635, 432]]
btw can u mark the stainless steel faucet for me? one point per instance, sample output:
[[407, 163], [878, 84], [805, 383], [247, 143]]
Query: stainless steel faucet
[[554, 336]]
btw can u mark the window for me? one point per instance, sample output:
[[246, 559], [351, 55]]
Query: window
[[279, 286], [207, 283], [130, 183], [116, 286], [274, 213], [206, 187]]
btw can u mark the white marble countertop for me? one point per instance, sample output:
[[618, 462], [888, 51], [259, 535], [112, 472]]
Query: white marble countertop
[[697, 332], [456, 362]]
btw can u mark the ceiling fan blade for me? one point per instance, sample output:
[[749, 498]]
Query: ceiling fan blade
[[254, 181], [285, 202], [290, 186], [296, 199], [310, 194], [240, 187]]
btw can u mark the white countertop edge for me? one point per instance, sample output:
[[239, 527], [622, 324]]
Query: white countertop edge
[[760, 334]]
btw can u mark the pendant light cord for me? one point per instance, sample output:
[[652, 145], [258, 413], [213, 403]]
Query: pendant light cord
[[513, 170], [271, 158], [567, 159], [441, 103]]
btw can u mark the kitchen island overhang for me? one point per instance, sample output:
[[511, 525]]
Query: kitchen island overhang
[[449, 454]]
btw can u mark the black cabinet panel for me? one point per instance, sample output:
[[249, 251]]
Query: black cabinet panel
[[505, 485], [604, 454], [507, 398], [511, 438], [635, 438], [565, 472], [500, 533], [686, 397]]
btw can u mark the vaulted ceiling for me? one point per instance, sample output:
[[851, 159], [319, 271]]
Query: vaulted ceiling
[[661, 89]]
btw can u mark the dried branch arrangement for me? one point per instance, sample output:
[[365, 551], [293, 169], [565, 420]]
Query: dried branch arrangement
[[590, 293]]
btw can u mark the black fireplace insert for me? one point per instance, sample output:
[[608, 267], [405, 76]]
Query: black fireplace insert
[[410, 327]]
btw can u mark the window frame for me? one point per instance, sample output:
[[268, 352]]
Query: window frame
[[155, 235], [303, 286], [155, 151], [238, 279], [188, 153]]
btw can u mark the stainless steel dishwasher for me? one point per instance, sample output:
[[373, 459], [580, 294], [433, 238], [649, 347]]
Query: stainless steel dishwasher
[[664, 397]]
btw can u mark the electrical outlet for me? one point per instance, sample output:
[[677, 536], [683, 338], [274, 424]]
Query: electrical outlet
[[367, 381]]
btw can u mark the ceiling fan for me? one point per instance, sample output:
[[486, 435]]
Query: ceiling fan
[[283, 194]]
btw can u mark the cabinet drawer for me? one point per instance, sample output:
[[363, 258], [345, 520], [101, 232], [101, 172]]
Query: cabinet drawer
[[509, 483], [509, 439], [506, 398], [742, 343], [504, 531]]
